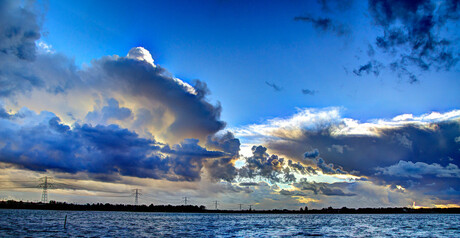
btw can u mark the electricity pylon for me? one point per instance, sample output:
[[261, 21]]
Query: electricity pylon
[[45, 184], [136, 194], [216, 203], [185, 200]]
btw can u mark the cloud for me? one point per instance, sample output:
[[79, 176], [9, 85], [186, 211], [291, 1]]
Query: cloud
[[276, 169], [349, 146], [329, 120], [18, 32], [141, 54], [144, 99], [193, 115], [325, 24], [339, 148], [40, 142], [322, 188], [226, 142], [416, 33], [332, 5], [312, 157], [262, 164], [416, 25], [311, 119], [274, 86], [373, 67], [249, 184], [419, 169], [302, 169], [328, 168], [311, 154], [23, 67], [309, 92], [111, 111], [4, 113], [223, 168], [178, 110]]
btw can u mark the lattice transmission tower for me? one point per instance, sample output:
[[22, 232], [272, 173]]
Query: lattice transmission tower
[[45, 184], [136, 194]]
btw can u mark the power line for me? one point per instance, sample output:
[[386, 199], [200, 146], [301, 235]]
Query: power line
[[155, 199]]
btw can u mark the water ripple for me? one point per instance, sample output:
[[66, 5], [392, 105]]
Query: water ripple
[[37, 223]]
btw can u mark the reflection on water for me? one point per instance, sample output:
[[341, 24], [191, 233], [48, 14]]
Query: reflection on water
[[39, 223]]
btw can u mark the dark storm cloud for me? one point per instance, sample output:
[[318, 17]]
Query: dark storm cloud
[[325, 24], [302, 169], [223, 168], [312, 157], [322, 188], [4, 113], [292, 193], [190, 147], [417, 33], [334, 192], [288, 176], [272, 167], [311, 154], [18, 32], [328, 168], [194, 115], [22, 68], [227, 143], [263, 165], [411, 155], [419, 169], [309, 92], [40, 142], [274, 86]]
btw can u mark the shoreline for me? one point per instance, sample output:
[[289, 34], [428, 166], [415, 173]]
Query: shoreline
[[63, 206]]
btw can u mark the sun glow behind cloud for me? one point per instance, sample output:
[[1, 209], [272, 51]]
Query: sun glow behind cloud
[[310, 119], [125, 121]]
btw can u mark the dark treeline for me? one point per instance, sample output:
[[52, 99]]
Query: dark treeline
[[52, 205]]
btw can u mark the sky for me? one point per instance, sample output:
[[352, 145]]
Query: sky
[[279, 104]]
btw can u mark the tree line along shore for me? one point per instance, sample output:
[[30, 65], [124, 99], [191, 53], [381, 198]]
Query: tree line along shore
[[53, 205]]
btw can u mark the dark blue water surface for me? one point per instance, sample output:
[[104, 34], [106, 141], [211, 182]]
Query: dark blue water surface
[[39, 223]]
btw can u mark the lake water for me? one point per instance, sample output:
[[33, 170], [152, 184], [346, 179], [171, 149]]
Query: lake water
[[39, 223]]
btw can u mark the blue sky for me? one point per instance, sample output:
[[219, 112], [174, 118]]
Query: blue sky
[[278, 104], [235, 48]]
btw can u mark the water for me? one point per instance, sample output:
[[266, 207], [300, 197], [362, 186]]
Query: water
[[38, 223]]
